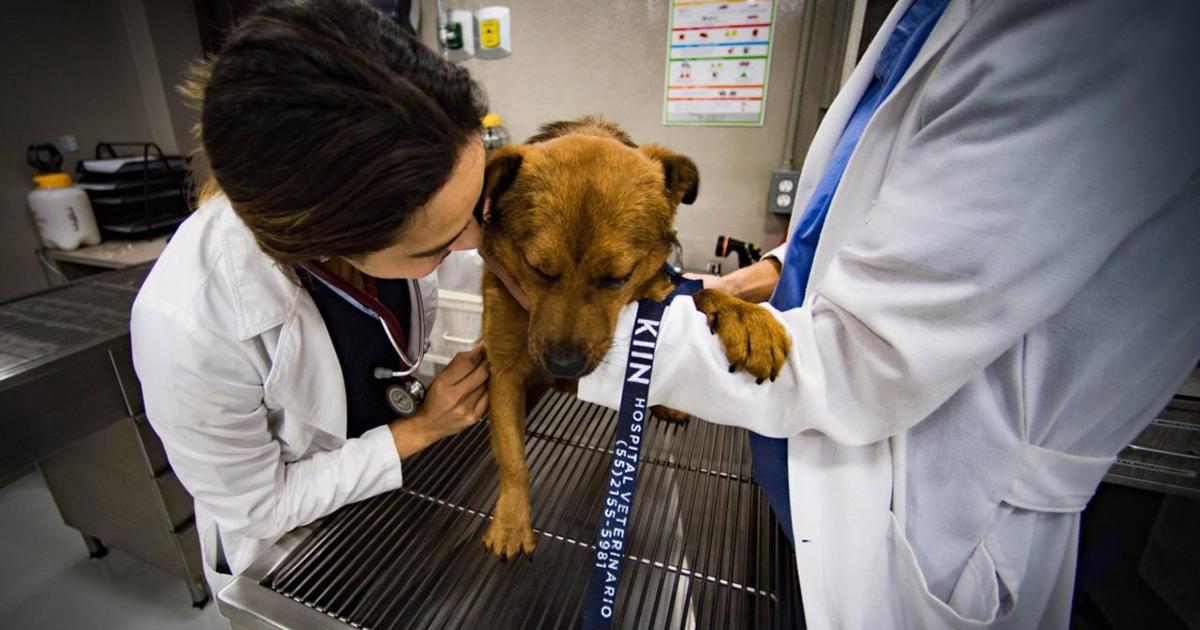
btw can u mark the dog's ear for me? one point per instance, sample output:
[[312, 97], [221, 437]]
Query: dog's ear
[[680, 175], [498, 176]]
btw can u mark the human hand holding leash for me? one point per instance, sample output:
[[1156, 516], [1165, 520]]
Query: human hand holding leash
[[456, 400]]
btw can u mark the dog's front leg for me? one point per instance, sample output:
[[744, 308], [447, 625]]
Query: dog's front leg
[[754, 340], [510, 532]]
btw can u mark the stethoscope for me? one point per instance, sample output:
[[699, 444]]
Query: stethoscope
[[404, 396]]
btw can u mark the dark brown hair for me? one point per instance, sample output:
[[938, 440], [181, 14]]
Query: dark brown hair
[[327, 125]]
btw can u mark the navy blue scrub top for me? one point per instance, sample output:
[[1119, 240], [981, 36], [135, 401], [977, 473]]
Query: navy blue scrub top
[[361, 346]]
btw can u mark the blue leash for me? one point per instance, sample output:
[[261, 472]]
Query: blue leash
[[683, 286], [617, 517]]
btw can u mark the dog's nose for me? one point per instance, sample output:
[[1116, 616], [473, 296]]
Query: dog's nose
[[564, 360]]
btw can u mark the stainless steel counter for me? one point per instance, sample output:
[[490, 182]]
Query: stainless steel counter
[[1165, 457], [705, 551], [70, 402], [64, 355]]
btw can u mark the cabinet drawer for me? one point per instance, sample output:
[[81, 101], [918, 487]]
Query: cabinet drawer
[[122, 362], [57, 405], [188, 543], [175, 499], [156, 456]]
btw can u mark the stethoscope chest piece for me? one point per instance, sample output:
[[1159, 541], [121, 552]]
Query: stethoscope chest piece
[[405, 397]]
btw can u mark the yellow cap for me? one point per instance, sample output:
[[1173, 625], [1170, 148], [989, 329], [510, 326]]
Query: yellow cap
[[491, 120], [52, 180]]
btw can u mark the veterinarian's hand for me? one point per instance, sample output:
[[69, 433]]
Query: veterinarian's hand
[[710, 281], [456, 399], [753, 284]]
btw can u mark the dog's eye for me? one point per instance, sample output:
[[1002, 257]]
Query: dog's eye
[[546, 277], [614, 282]]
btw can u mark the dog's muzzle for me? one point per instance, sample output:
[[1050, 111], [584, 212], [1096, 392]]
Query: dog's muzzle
[[565, 360]]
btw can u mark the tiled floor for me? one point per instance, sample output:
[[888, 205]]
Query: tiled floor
[[50, 583]]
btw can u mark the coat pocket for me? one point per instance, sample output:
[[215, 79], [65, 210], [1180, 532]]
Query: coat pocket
[[208, 547], [977, 593], [974, 602]]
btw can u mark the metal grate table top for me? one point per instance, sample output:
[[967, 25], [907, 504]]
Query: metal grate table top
[[704, 549], [45, 326]]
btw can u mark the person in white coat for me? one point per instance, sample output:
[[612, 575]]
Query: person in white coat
[[341, 149], [1004, 292]]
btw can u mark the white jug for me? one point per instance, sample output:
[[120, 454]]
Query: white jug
[[62, 212]]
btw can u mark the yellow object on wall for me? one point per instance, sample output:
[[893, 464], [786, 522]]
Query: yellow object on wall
[[489, 33], [495, 32]]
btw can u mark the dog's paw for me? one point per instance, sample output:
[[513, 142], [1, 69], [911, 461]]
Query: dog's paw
[[668, 414], [509, 535], [754, 340]]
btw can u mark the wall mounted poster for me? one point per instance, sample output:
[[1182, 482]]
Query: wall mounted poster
[[718, 59]]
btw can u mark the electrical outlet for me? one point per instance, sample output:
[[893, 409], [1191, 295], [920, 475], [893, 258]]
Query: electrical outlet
[[781, 196]]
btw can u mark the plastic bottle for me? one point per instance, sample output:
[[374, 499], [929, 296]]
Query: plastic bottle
[[62, 212], [494, 136]]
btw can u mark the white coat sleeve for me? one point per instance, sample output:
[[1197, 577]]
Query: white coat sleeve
[[1039, 153], [778, 253], [204, 398]]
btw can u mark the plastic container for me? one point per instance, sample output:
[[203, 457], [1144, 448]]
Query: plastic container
[[462, 272], [494, 136], [62, 212], [458, 327]]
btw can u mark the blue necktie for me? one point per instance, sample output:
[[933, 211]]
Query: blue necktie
[[770, 454]]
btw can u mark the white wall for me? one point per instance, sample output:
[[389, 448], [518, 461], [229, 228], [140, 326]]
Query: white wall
[[609, 57], [106, 70]]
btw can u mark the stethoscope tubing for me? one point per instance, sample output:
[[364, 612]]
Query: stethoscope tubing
[[413, 366], [373, 307]]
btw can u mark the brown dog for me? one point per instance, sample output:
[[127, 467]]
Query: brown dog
[[582, 220]]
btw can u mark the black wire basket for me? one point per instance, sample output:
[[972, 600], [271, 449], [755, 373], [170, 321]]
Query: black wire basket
[[136, 190]]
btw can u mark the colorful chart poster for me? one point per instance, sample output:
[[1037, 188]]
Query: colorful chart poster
[[718, 60]]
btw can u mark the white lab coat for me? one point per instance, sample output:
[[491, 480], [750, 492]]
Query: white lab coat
[[1004, 294], [242, 384]]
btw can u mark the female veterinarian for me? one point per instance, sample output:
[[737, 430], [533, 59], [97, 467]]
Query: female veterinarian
[[991, 286], [275, 335]]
